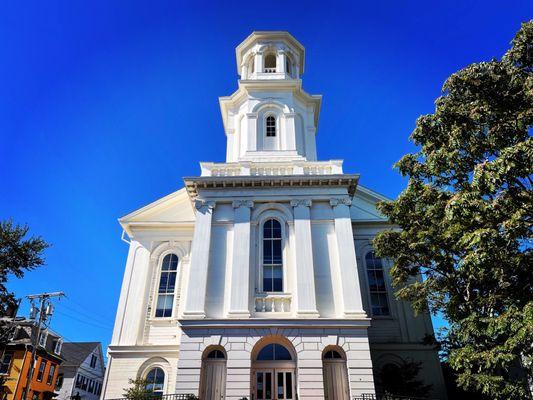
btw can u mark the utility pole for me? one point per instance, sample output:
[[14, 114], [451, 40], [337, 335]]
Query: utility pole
[[44, 303]]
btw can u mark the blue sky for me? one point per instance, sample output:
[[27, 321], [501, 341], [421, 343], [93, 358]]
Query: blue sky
[[105, 106]]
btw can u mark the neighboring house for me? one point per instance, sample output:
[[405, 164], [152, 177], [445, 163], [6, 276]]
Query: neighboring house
[[15, 362], [258, 278], [82, 371]]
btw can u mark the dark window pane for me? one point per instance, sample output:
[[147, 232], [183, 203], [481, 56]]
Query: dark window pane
[[289, 385], [260, 385], [280, 385], [268, 385], [267, 279], [277, 273], [266, 353], [276, 252], [281, 353], [267, 252]]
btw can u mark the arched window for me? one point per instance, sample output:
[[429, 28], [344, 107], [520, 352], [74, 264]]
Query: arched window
[[270, 126], [332, 355], [167, 286], [287, 65], [376, 285], [155, 380], [274, 352], [270, 63], [216, 355], [272, 257]]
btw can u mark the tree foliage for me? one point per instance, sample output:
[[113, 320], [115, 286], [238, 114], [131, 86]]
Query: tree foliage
[[403, 380], [18, 254], [138, 390], [465, 220]]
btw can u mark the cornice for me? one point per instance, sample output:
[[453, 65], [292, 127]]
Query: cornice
[[362, 322], [194, 184]]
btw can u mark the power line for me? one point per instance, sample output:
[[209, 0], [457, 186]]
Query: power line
[[96, 324]]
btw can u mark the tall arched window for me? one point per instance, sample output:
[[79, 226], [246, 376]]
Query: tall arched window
[[155, 380], [287, 65], [270, 63], [270, 126], [167, 286], [272, 257], [376, 285]]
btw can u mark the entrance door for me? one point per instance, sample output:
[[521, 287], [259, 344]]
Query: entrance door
[[214, 380], [274, 384], [335, 380]]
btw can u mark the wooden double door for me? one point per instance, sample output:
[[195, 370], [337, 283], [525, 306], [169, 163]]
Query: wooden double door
[[274, 384]]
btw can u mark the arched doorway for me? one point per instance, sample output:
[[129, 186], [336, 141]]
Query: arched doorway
[[335, 375], [273, 372], [213, 381]]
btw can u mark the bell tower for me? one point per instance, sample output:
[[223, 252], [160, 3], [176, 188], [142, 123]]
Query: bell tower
[[270, 118]]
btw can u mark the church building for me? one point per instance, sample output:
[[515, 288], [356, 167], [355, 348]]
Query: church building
[[257, 279]]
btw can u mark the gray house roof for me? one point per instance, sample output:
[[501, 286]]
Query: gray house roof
[[76, 352]]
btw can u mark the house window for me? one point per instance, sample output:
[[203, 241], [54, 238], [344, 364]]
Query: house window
[[93, 361], [42, 338], [167, 286], [40, 373], [36, 395], [155, 380], [272, 257], [58, 344], [91, 386], [5, 362], [270, 126], [50, 374], [59, 382], [376, 285], [270, 63]]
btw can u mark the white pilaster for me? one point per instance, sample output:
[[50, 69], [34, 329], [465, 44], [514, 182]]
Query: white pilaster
[[290, 131], [240, 273], [305, 276], [196, 290], [252, 132], [351, 289]]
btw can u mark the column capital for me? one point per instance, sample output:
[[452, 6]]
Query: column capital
[[340, 201], [242, 203], [301, 202], [199, 204]]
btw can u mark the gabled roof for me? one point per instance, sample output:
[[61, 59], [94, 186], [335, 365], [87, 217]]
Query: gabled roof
[[75, 353], [364, 203]]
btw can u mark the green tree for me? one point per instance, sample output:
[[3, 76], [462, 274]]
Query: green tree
[[137, 390], [465, 220], [403, 380], [18, 254]]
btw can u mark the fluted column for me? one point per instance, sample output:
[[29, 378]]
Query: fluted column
[[349, 276], [305, 275], [197, 287], [240, 273]]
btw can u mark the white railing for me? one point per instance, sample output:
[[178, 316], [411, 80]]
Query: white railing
[[273, 303], [272, 168], [282, 170]]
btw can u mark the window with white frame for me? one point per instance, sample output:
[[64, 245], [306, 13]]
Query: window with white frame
[[376, 285], [272, 256], [155, 380], [42, 338], [270, 125], [58, 344], [167, 286]]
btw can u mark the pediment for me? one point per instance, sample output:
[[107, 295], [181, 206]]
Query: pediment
[[174, 209], [364, 208]]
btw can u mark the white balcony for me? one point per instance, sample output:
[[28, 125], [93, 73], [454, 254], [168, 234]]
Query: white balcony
[[272, 304]]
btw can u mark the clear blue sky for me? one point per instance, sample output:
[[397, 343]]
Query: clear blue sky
[[104, 106]]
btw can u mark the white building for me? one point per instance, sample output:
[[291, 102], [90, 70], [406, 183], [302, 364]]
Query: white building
[[258, 277]]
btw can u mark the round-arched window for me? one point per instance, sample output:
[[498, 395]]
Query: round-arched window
[[216, 355], [274, 352], [332, 355], [155, 379], [272, 256], [167, 286], [270, 125]]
